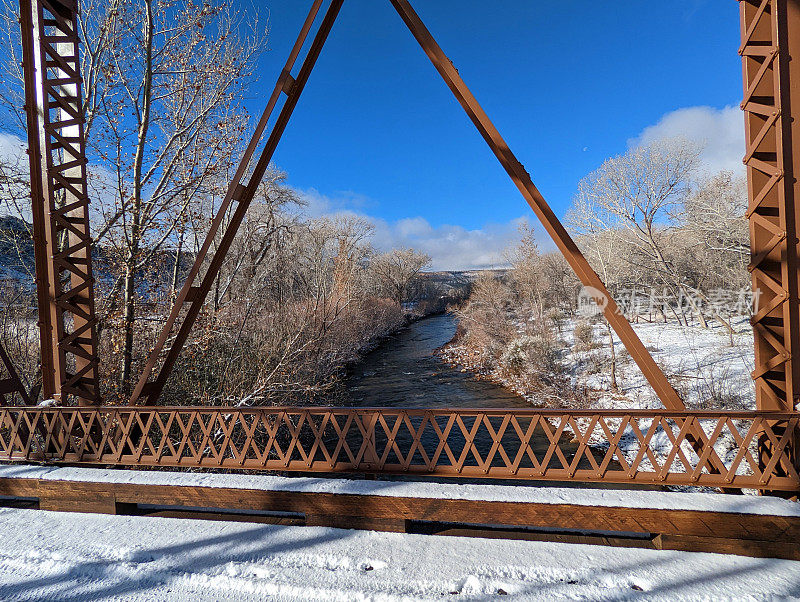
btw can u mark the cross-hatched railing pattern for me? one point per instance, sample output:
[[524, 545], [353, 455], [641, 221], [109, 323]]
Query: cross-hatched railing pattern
[[721, 449]]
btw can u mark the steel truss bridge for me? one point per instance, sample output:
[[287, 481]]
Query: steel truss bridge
[[730, 450]]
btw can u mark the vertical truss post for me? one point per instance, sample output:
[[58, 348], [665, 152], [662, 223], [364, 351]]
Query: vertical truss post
[[770, 51], [60, 203]]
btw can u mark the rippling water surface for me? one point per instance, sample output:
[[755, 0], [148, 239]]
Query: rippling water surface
[[405, 372]]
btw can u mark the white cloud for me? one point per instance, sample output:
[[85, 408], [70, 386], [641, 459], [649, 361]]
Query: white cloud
[[318, 204], [720, 131], [12, 148], [451, 247]]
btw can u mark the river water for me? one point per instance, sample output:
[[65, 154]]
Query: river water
[[406, 372]]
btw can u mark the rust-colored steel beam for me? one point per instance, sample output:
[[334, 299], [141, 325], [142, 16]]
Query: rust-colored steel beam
[[770, 53], [60, 203], [193, 294], [606, 446], [552, 225], [11, 383]]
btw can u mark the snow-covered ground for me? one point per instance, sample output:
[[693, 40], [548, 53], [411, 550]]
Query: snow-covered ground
[[709, 368], [704, 364], [60, 556]]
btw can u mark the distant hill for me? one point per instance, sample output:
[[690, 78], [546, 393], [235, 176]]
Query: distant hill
[[459, 278], [18, 264], [16, 251]]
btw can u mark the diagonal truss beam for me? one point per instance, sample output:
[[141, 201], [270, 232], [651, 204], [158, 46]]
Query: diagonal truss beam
[[11, 383], [552, 225], [195, 295]]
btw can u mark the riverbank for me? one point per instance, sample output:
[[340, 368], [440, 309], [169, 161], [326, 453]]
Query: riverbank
[[473, 362], [708, 367], [408, 318]]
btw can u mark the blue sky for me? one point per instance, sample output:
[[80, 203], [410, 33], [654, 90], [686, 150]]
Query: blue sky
[[568, 84]]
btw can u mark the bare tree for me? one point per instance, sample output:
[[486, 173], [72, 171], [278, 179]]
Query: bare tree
[[163, 86], [169, 121], [398, 268], [714, 216], [528, 271], [638, 193]]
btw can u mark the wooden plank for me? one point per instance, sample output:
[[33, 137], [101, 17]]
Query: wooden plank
[[691, 530], [565, 516], [718, 545], [19, 487], [70, 496]]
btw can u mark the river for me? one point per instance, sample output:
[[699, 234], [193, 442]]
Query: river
[[406, 372]]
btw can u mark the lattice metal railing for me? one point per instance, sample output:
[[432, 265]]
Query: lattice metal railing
[[733, 449]]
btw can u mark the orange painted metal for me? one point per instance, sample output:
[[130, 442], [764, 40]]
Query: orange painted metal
[[60, 201], [770, 53], [770, 41], [770, 50], [195, 295], [613, 446]]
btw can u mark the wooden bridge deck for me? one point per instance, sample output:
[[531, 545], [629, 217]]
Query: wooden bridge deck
[[753, 526]]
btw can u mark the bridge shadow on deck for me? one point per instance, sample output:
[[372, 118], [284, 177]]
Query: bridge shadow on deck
[[248, 563]]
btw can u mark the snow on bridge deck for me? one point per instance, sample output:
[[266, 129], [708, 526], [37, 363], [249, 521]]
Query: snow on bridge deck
[[704, 502]]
